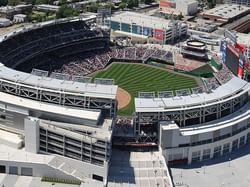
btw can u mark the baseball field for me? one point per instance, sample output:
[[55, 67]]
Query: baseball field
[[134, 78]]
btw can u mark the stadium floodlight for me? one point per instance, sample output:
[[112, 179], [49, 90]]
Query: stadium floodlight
[[104, 81], [81, 79], [146, 95], [60, 76], [39, 72], [165, 94], [183, 92]]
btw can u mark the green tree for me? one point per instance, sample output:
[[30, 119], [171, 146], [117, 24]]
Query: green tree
[[66, 11], [180, 16], [3, 2], [93, 7], [13, 2], [30, 1], [132, 3], [211, 4], [122, 5], [62, 2], [109, 5], [148, 1]]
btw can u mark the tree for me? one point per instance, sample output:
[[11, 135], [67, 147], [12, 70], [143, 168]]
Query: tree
[[180, 16], [93, 7], [3, 2], [211, 4], [109, 5], [30, 1], [13, 2], [122, 5], [132, 3], [148, 1], [66, 11], [62, 2]]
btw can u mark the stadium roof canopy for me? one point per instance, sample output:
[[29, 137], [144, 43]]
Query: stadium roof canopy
[[228, 90], [142, 20], [218, 124], [21, 105], [77, 88]]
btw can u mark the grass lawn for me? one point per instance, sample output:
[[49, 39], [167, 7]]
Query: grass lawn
[[136, 78]]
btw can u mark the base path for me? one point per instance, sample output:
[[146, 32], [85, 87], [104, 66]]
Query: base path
[[123, 98]]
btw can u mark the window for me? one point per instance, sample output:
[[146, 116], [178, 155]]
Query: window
[[26, 171], [196, 156], [2, 169], [217, 151], [206, 154], [248, 138], [2, 116], [235, 145], [242, 141], [13, 170], [226, 148], [97, 177]]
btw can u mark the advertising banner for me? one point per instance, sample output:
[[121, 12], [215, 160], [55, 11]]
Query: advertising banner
[[234, 50], [241, 66], [159, 34], [223, 49], [147, 31]]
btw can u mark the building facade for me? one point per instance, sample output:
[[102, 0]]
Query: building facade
[[199, 126], [147, 28], [186, 7], [74, 135], [240, 2]]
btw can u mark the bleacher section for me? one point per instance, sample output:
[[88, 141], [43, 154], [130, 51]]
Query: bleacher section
[[87, 63], [23, 46]]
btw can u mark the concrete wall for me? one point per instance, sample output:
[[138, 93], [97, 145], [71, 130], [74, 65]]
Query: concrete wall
[[85, 168], [187, 7], [31, 126], [186, 152], [39, 170]]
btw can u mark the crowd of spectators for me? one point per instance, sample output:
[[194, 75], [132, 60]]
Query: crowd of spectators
[[183, 67], [19, 46], [98, 60], [224, 75], [220, 77], [124, 126], [212, 83]]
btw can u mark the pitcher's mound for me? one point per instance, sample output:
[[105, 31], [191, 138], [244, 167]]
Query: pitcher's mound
[[123, 98]]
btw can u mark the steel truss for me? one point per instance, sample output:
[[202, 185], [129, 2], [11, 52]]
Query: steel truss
[[59, 97], [186, 117]]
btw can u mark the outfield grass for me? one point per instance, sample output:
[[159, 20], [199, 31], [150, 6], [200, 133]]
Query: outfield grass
[[136, 78]]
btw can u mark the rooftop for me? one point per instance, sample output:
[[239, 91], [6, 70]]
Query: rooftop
[[221, 123], [142, 19], [4, 20], [243, 39], [20, 15], [224, 91], [226, 11], [24, 104], [56, 85], [100, 132]]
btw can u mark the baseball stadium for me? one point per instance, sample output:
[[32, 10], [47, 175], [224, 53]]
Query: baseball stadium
[[68, 96]]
